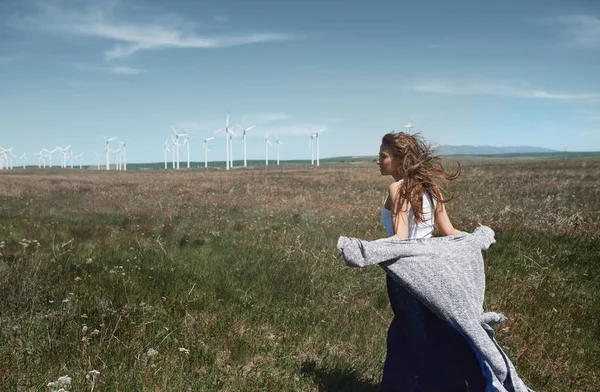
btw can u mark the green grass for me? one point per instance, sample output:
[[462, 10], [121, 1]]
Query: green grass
[[241, 269]]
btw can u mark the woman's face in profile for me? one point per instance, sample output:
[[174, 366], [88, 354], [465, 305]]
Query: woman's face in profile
[[387, 162]]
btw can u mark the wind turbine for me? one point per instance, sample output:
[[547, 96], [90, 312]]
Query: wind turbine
[[244, 130], [204, 147], [23, 158], [317, 136], [97, 160], [312, 147], [116, 152], [70, 156], [40, 157], [3, 157], [106, 149], [63, 156], [124, 155], [267, 144], [176, 146], [278, 143], [50, 158], [176, 142], [187, 143], [166, 150], [80, 157], [228, 132], [408, 127]]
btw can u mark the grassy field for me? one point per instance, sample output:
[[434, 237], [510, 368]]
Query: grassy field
[[231, 281]]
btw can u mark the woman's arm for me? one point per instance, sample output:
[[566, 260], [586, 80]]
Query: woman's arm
[[399, 212], [442, 221]]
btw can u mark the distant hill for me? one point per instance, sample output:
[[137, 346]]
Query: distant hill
[[491, 150]]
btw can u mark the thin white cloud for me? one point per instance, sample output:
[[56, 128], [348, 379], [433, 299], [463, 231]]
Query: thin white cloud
[[497, 89], [583, 30], [123, 70], [131, 37], [118, 70]]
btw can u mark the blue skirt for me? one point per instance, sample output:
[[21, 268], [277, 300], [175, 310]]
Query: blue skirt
[[424, 353]]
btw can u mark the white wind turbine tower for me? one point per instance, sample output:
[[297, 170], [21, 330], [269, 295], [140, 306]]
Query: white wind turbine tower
[[278, 143], [97, 160], [3, 157], [23, 158], [231, 149], [408, 127], [80, 157], [44, 153], [176, 142], [39, 155], [187, 144], [317, 137], [267, 144], [228, 133], [11, 156], [70, 156], [312, 147], [166, 150], [106, 149], [206, 150], [118, 163], [50, 158], [124, 155], [244, 130], [63, 156]]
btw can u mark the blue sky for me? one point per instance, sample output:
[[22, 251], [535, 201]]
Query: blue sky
[[462, 72]]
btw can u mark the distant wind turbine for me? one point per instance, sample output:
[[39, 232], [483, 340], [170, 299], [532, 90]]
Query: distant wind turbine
[[278, 143], [206, 150], [124, 155], [317, 137], [166, 150], [408, 127], [23, 158], [176, 143], [244, 130], [267, 144], [228, 133], [106, 149]]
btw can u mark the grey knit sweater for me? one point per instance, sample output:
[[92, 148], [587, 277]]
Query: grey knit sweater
[[446, 274]]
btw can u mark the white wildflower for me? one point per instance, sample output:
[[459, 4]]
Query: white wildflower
[[51, 384], [65, 300], [89, 260], [84, 329], [77, 279], [151, 352], [95, 332], [64, 380], [184, 350]]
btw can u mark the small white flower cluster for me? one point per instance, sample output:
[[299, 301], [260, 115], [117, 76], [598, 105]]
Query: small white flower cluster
[[92, 375], [151, 352], [60, 384], [184, 350], [25, 243]]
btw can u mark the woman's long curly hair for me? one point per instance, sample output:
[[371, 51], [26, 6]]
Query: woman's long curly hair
[[420, 169]]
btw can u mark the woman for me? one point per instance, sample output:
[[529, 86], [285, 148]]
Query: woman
[[424, 353]]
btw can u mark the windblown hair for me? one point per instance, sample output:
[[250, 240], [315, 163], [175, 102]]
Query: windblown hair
[[420, 169]]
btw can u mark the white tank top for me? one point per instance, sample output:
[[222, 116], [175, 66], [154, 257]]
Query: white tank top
[[415, 229]]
